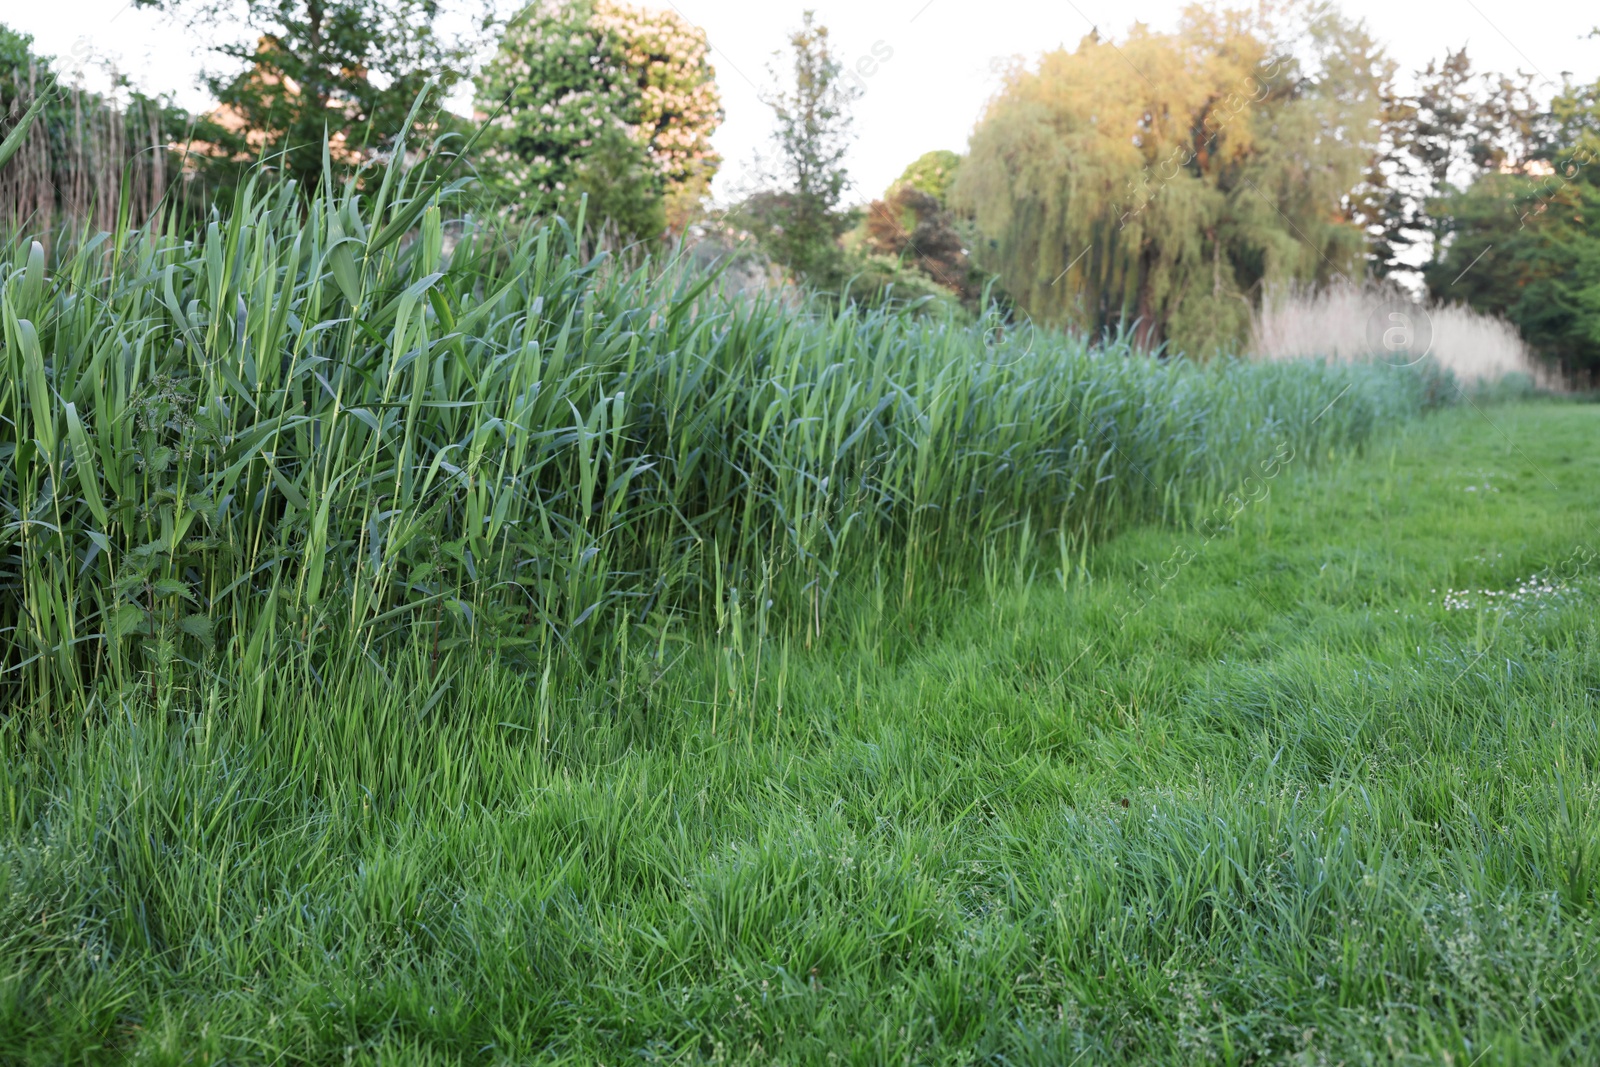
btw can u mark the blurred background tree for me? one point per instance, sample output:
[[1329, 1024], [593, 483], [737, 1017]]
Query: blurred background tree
[[933, 173], [1522, 239], [798, 219], [1162, 181], [911, 242], [603, 99], [347, 70], [1457, 125]]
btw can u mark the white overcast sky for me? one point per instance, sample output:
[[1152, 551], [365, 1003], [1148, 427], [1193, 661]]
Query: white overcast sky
[[944, 54]]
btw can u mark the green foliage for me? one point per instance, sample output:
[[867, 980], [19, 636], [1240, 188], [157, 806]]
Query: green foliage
[[602, 99], [1523, 239], [910, 228], [337, 73], [21, 101], [1158, 201], [614, 180], [933, 173], [21, 72], [1528, 248], [1210, 323], [892, 280], [1458, 125]]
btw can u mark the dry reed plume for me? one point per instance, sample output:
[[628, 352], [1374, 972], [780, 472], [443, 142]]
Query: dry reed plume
[[1356, 323]]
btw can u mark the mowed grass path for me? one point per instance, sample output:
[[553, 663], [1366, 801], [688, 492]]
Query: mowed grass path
[[1311, 803]]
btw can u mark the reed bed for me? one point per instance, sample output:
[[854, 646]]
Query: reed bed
[[89, 157], [305, 432], [1349, 322]]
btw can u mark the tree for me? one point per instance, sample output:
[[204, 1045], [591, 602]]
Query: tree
[[604, 99], [933, 173], [1456, 127], [799, 221], [911, 227], [1523, 241], [345, 70], [1161, 181]]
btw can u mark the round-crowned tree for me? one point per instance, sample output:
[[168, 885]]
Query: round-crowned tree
[[602, 98]]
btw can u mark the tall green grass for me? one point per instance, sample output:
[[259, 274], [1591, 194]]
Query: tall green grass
[[1299, 810], [306, 431]]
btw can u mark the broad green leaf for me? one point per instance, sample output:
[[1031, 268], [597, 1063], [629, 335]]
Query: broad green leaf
[[39, 403], [19, 132], [165, 587], [346, 273], [197, 626], [33, 279], [83, 461], [128, 619]]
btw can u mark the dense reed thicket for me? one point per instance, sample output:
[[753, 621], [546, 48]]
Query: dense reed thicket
[[308, 428], [87, 155]]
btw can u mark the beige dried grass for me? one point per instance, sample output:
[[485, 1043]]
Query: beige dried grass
[[1346, 322]]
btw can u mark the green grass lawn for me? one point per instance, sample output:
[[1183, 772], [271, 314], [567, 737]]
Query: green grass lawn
[[1324, 793]]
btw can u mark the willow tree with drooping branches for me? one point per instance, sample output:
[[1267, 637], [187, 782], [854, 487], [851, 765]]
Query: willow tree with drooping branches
[[1160, 182]]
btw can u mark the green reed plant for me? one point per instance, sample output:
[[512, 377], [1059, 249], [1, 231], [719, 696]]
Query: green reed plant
[[308, 429]]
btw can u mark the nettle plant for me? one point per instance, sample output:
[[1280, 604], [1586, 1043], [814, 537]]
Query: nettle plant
[[153, 595]]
